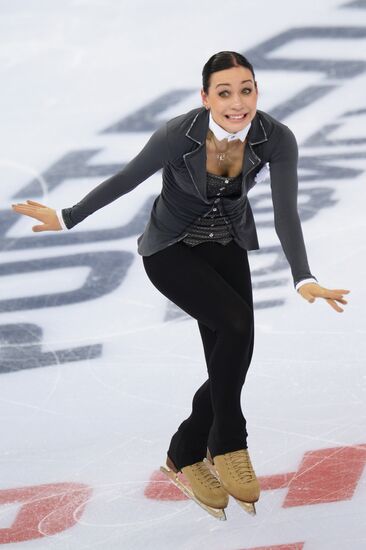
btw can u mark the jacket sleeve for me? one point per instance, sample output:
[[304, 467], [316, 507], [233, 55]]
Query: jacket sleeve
[[148, 161], [284, 189]]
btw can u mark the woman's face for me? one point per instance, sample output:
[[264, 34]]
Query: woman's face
[[231, 92]]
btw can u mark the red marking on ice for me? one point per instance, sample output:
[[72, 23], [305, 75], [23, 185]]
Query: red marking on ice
[[44, 510], [161, 488], [277, 481], [325, 475]]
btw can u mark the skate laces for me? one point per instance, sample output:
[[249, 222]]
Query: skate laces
[[201, 470], [242, 465]]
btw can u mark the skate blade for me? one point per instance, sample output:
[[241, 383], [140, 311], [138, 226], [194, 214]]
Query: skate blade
[[217, 513], [248, 507]]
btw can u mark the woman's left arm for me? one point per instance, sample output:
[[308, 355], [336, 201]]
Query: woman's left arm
[[284, 189]]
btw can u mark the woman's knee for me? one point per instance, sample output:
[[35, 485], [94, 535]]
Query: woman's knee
[[238, 322]]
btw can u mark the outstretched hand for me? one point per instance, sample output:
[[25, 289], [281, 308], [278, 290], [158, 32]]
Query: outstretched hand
[[311, 291], [40, 212]]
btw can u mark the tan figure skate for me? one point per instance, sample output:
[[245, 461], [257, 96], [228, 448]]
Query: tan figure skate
[[235, 472], [204, 487]]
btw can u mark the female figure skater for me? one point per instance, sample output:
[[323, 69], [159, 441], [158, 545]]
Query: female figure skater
[[194, 250]]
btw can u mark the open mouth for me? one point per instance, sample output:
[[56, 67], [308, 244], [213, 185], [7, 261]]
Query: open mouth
[[237, 117]]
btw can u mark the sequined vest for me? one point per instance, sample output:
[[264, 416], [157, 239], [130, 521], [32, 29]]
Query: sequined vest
[[214, 225]]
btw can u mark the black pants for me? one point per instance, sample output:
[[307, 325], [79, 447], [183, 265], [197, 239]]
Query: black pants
[[212, 283]]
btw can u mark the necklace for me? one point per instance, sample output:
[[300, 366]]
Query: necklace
[[222, 156]]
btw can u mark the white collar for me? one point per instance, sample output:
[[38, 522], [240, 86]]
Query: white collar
[[221, 133]]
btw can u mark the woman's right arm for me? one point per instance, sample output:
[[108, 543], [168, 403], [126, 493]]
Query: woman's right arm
[[149, 160]]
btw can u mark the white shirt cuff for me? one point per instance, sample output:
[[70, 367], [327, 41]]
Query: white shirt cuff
[[60, 219], [304, 281]]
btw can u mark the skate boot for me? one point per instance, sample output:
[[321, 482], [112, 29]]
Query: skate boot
[[237, 476], [204, 487]]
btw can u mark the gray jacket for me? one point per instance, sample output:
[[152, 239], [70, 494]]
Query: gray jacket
[[179, 148]]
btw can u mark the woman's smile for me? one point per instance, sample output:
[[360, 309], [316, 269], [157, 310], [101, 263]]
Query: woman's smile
[[237, 118]]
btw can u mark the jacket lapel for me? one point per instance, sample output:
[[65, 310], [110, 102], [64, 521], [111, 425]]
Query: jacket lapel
[[195, 160]]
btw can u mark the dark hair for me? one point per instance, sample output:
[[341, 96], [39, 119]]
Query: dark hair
[[223, 60]]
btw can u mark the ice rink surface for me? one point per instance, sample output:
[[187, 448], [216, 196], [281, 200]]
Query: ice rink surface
[[97, 367]]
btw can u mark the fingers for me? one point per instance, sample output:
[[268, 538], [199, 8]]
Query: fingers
[[41, 213], [32, 211], [37, 203], [308, 297], [333, 304], [322, 292], [330, 296], [22, 207], [38, 228], [336, 295]]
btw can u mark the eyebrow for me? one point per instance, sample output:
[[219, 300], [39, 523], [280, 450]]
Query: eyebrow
[[228, 84]]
